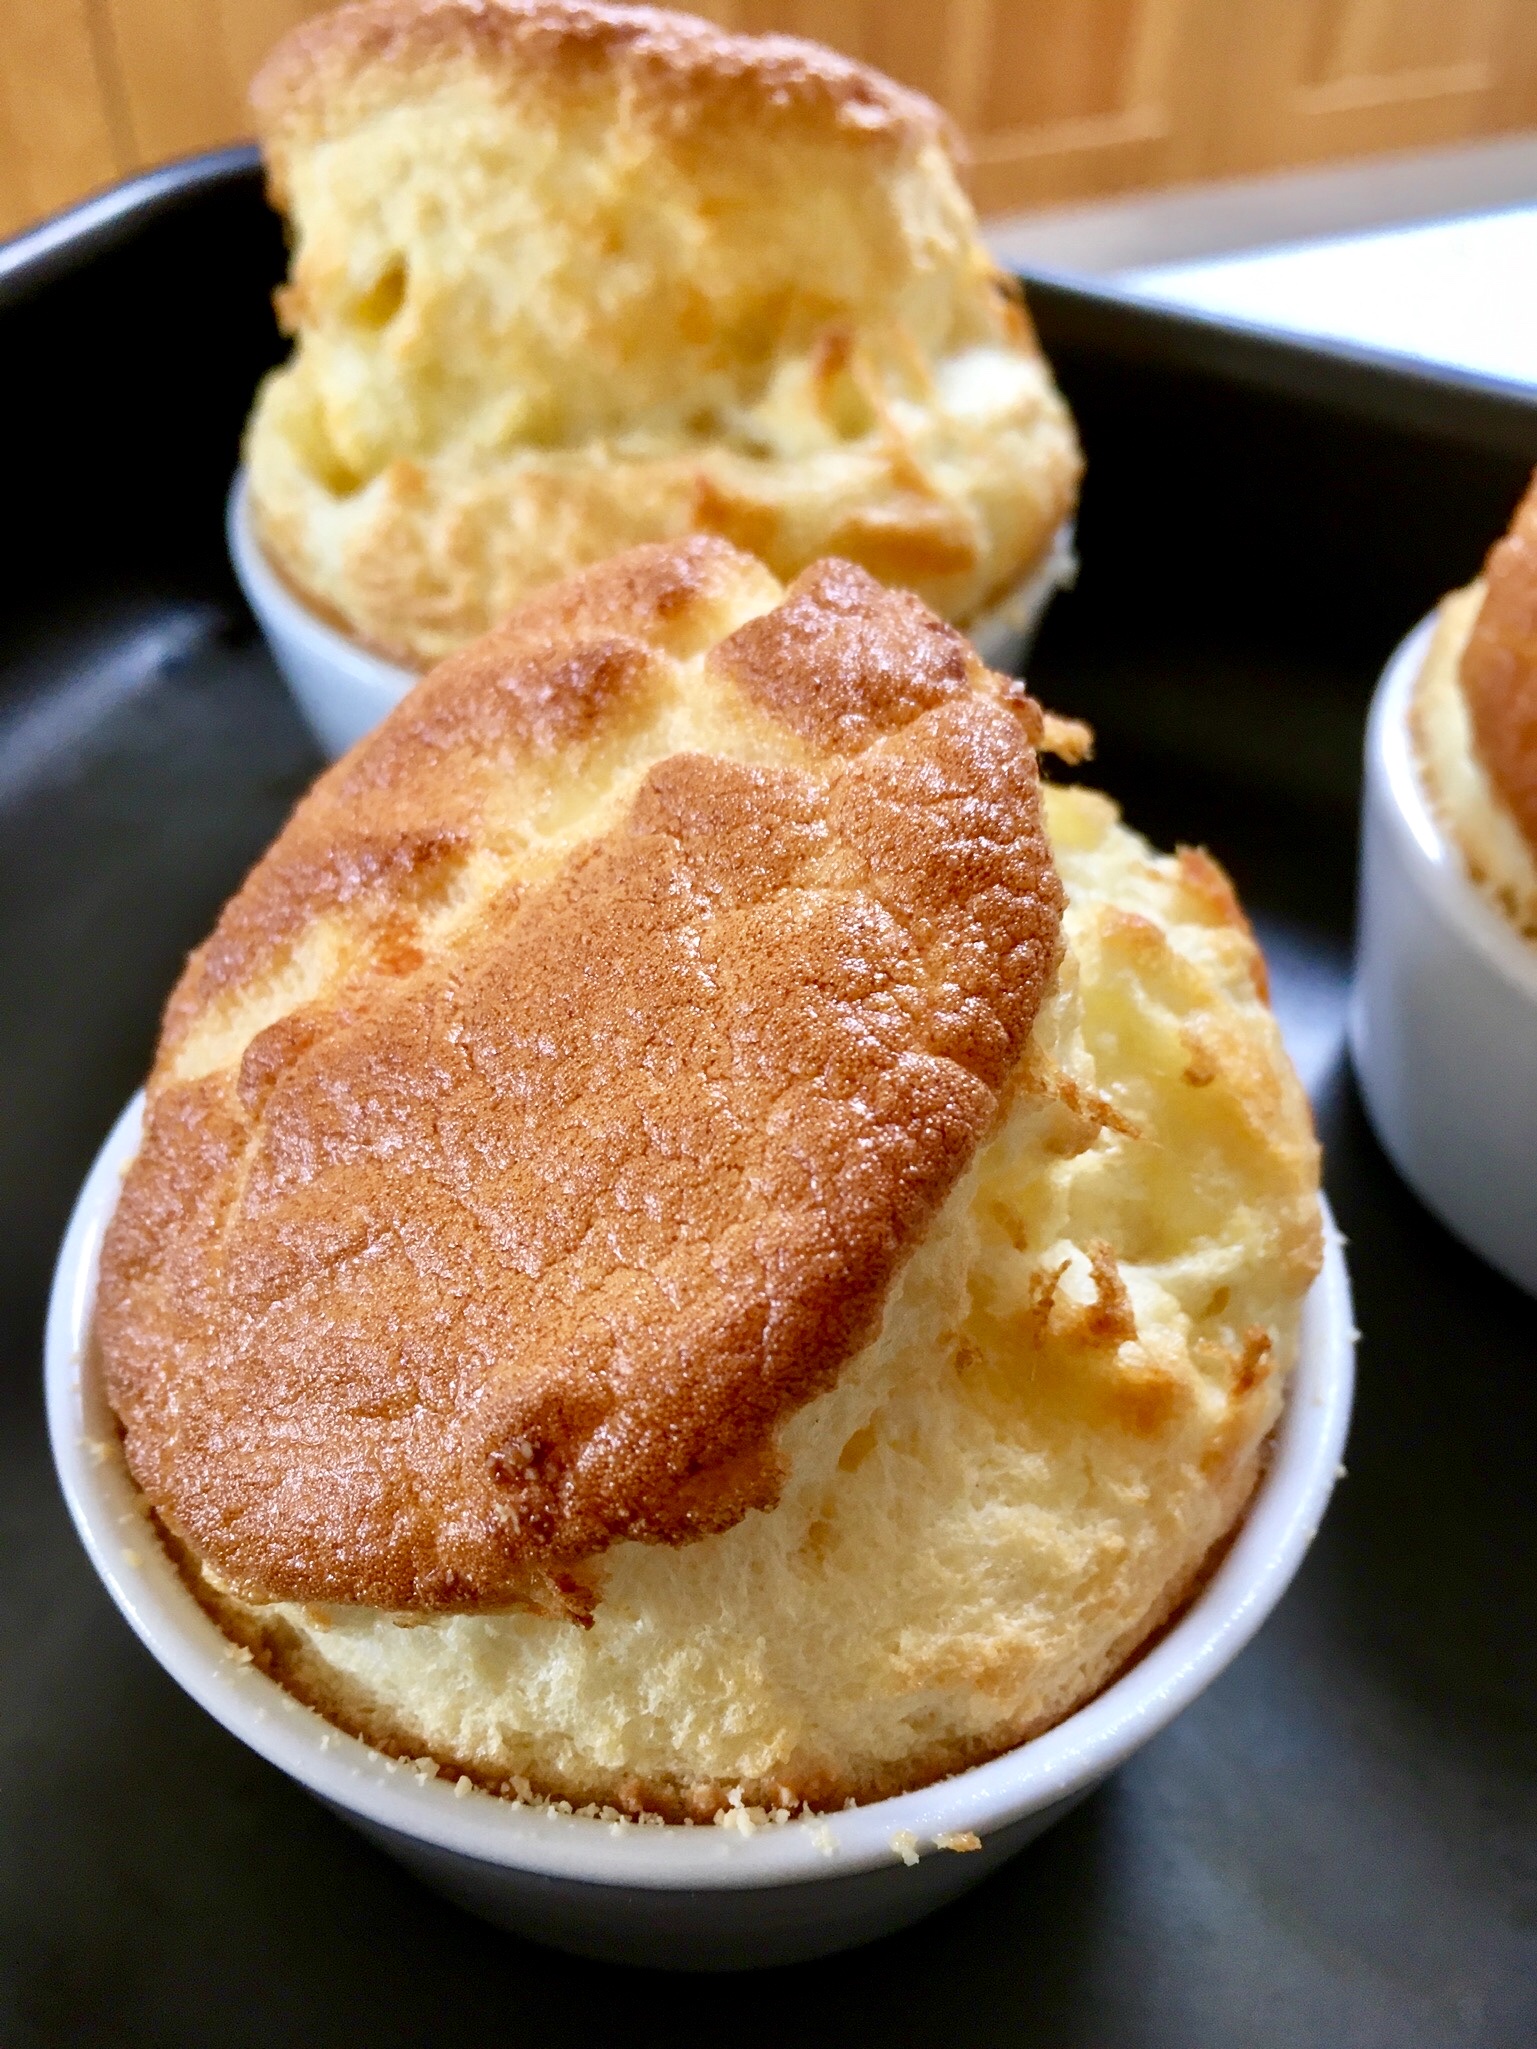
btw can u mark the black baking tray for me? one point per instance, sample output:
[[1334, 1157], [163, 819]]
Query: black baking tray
[[1338, 1844]]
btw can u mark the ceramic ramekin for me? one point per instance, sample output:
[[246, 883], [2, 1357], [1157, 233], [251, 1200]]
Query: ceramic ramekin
[[342, 689], [703, 1898], [1004, 636], [1443, 1017]]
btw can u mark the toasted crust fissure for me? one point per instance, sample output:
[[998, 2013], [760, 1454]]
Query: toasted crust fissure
[[522, 1231], [823, 666], [1499, 668]]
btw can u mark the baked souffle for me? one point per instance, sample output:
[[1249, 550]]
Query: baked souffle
[[701, 1239], [567, 277], [1474, 720]]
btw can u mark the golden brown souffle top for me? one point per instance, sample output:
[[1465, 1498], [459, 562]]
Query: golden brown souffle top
[[686, 69], [555, 1181], [1499, 669]]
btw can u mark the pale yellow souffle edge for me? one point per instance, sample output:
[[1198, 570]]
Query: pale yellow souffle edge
[[1493, 847], [1009, 1491]]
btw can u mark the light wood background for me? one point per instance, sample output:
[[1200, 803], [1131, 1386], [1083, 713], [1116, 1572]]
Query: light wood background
[[1061, 99]]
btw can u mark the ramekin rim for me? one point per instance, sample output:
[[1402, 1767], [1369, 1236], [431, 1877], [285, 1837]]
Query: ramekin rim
[[274, 603], [1263, 1558]]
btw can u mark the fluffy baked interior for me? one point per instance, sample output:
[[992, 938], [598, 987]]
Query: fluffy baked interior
[[568, 277], [1499, 856], [1021, 1476]]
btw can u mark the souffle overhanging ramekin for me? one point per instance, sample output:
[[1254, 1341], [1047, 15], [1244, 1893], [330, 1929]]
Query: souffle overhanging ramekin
[[343, 689], [1443, 1023], [708, 1897]]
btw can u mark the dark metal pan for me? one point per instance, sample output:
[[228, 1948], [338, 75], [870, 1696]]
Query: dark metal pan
[[1338, 1844]]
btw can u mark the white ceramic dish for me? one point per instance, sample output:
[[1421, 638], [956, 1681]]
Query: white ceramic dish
[[1004, 636], [700, 1898], [1443, 1018], [343, 690]]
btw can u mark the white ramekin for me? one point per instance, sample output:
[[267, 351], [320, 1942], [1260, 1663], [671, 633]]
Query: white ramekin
[[687, 1898], [342, 689], [1004, 636], [1443, 1014]]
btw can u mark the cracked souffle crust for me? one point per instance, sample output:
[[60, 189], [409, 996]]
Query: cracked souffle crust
[[550, 1114]]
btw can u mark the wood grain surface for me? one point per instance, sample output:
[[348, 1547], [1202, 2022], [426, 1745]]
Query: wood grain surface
[[1060, 99]]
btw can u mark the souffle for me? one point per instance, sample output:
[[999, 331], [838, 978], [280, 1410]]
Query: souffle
[[702, 1242], [1475, 720], [567, 277]]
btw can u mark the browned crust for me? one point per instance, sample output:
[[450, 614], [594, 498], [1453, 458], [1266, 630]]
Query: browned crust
[[1499, 668], [399, 812], [529, 1239], [675, 70], [284, 1655]]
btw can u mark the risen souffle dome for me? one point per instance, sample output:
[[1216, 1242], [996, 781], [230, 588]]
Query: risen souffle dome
[[568, 277], [700, 1235]]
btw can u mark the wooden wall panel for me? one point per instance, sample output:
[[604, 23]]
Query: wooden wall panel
[[1112, 118], [249, 28], [57, 123], [1060, 99], [1340, 78], [185, 66], [1355, 40], [1052, 61], [177, 86]]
